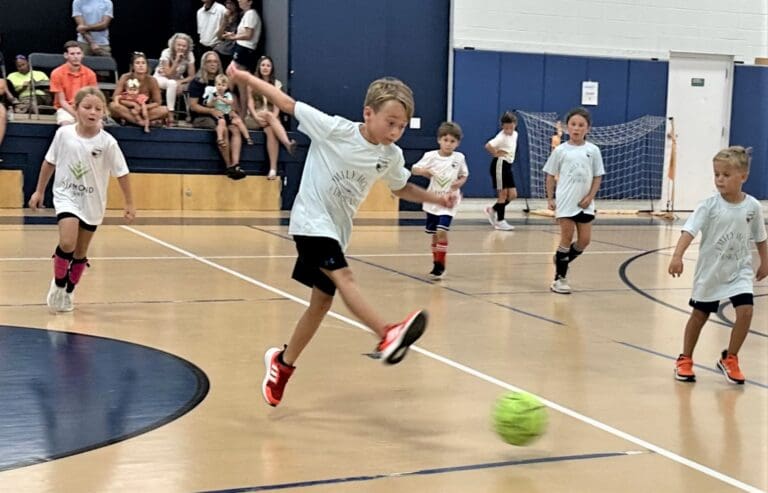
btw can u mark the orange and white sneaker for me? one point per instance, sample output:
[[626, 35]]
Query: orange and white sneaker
[[729, 365], [399, 337], [684, 369], [277, 375]]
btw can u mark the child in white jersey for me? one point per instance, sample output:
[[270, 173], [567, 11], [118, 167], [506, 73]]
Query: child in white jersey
[[344, 160], [579, 165], [729, 222], [502, 148], [83, 156], [447, 171]]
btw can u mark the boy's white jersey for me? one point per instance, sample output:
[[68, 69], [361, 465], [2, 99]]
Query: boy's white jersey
[[340, 169], [83, 167], [577, 166], [445, 170], [728, 232], [506, 143]]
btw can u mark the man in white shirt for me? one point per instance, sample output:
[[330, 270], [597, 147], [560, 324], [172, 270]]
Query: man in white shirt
[[208, 21]]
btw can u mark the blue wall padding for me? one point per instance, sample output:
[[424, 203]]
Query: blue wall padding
[[488, 83], [749, 123]]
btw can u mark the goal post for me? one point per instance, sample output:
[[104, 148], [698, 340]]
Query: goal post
[[633, 155]]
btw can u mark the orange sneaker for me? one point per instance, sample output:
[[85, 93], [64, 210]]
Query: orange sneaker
[[684, 369], [729, 365], [399, 337], [277, 375]]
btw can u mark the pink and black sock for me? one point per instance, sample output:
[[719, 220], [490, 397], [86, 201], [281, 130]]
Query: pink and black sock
[[76, 270], [61, 261]]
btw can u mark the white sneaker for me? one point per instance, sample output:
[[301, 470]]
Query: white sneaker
[[66, 302], [503, 225], [560, 285], [53, 299], [491, 214]]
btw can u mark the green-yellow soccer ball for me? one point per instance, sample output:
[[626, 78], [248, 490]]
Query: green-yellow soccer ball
[[519, 418]]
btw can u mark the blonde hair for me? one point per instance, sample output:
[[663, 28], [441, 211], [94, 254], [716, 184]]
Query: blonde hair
[[222, 79], [736, 156], [185, 37], [90, 91], [132, 83], [390, 89]]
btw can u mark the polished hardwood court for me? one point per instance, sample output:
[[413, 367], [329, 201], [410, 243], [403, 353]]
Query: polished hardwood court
[[152, 384]]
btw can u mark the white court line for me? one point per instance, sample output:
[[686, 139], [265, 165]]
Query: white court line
[[361, 255], [475, 373]]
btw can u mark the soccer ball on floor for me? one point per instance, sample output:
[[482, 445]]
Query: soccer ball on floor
[[519, 418]]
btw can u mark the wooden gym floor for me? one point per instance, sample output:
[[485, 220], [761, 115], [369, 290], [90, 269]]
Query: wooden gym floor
[[152, 383]]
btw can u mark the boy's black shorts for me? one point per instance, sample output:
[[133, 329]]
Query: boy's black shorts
[[315, 253]]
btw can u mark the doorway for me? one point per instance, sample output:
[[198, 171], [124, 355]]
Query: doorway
[[699, 99]]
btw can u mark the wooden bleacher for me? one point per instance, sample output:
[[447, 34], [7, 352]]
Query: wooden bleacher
[[172, 169]]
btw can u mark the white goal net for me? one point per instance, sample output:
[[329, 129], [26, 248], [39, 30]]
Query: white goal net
[[633, 155]]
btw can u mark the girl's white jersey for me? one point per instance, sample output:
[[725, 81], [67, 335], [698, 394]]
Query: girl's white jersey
[[445, 171], [577, 166], [83, 167], [728, 231]]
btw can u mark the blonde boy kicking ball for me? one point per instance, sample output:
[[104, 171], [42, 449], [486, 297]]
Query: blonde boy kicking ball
[[344, 160]]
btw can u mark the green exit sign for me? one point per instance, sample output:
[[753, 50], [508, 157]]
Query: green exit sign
[[697, 82]]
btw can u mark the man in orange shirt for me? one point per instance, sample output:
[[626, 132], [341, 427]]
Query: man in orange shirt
[[67, 79]]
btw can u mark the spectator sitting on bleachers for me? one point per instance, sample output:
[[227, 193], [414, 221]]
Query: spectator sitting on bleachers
[[21, 82], [93, 18], [204, 117], [267, 116], [176, 69], [67, 79], [126, 111]]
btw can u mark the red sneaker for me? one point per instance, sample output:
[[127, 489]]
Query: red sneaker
[[729, 365], [684, 369], [399, 337], [277, 375]]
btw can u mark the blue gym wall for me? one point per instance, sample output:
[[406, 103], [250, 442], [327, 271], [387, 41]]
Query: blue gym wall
[[337, 47], [749, 123], [488, 83]]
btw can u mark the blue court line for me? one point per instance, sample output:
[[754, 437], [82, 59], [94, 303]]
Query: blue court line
[[424, 472], [633, 286], [673, 358]]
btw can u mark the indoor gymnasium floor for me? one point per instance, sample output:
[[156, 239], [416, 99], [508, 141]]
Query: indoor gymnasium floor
[[152, 384]]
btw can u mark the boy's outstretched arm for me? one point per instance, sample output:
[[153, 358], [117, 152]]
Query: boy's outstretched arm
[[676, 264], [271, 92], [414, 193]]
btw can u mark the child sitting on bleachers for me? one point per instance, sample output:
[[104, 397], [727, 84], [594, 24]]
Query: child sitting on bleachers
[[137, 102], [220, 98]]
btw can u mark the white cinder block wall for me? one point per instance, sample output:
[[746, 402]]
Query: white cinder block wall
[[615, 28]]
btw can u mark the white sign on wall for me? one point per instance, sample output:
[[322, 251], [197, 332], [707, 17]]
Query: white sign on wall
[[589, 90]]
